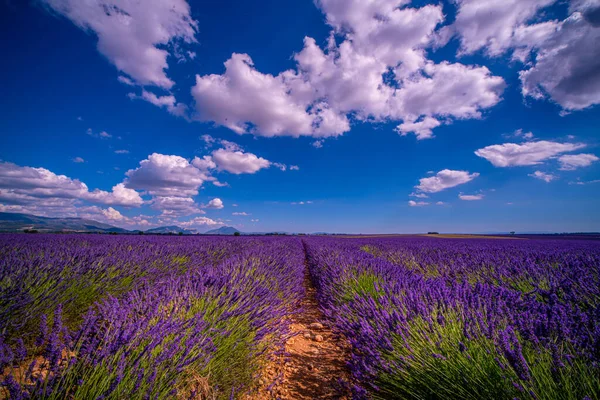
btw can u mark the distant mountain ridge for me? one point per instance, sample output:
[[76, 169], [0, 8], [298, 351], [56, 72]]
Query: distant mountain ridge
[[172, 229], [16, 222], [224, 230]]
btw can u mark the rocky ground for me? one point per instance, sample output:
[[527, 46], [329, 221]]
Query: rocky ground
[[315, 364]]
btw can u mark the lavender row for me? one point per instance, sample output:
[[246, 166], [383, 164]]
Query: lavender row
[[196, 327], [415, 336], [569, 270]]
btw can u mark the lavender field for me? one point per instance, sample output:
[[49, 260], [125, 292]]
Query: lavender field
[[189, 317]]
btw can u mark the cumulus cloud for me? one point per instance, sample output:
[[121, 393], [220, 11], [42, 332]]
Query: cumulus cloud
[[171, 180], [216, 204], [567, 66], [419, 195], [200, 221], [561, 57], [445, 179], [176, 206], [470, 197], [39, 191], [378, 72], [530, 153], [119, 196], [491, 25], [543, 176], [166, 175], [112, 214], [294, 168], [238, 162], [133, 35], [422, 129], [243, 214], [78, 160], [413, 203], [571, 162], [243, 97]]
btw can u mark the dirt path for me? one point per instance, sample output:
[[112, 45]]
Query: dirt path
[[315, 364]]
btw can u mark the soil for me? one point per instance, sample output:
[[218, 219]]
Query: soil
[[315, 364]]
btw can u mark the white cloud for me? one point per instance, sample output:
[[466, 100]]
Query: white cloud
[[166, 175], [215, 203], [413, 203], [445, 179], [422, 129], [491, 24], [578, 182], [419, 195], [294, 168], [120, 196], [301, 203], [171, 180], [41, 188], [440, 203], [377, 71], [102, 134], [530, 153], [470, 197], [543, 176], [176, 206], [209, 140], [133, 35], [281, 166], [521, 134], [317, 144], [244, 96], [242, 214], [121, 151], [112, 214], [254, 220], [238, 162], [78, 160], [167, 101], [565, 53], [200, 221], [571, 162], [125, 80], [566, 67]]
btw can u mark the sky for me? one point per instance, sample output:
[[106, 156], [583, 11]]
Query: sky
[[355, 116]]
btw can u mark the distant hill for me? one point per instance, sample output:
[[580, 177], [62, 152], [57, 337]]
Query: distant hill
[[14, 222], [171, 229], [224, 230]]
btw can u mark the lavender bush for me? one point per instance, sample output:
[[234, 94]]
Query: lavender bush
[[150, 317], [464, 319]]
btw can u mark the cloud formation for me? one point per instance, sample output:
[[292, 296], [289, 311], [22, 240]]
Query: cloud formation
[[470, 197], [445, 179], [133, 35], [379, 72], [530, 153], [543, 176], [571, 162]]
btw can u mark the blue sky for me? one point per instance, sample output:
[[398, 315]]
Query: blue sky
[[396, 116]]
